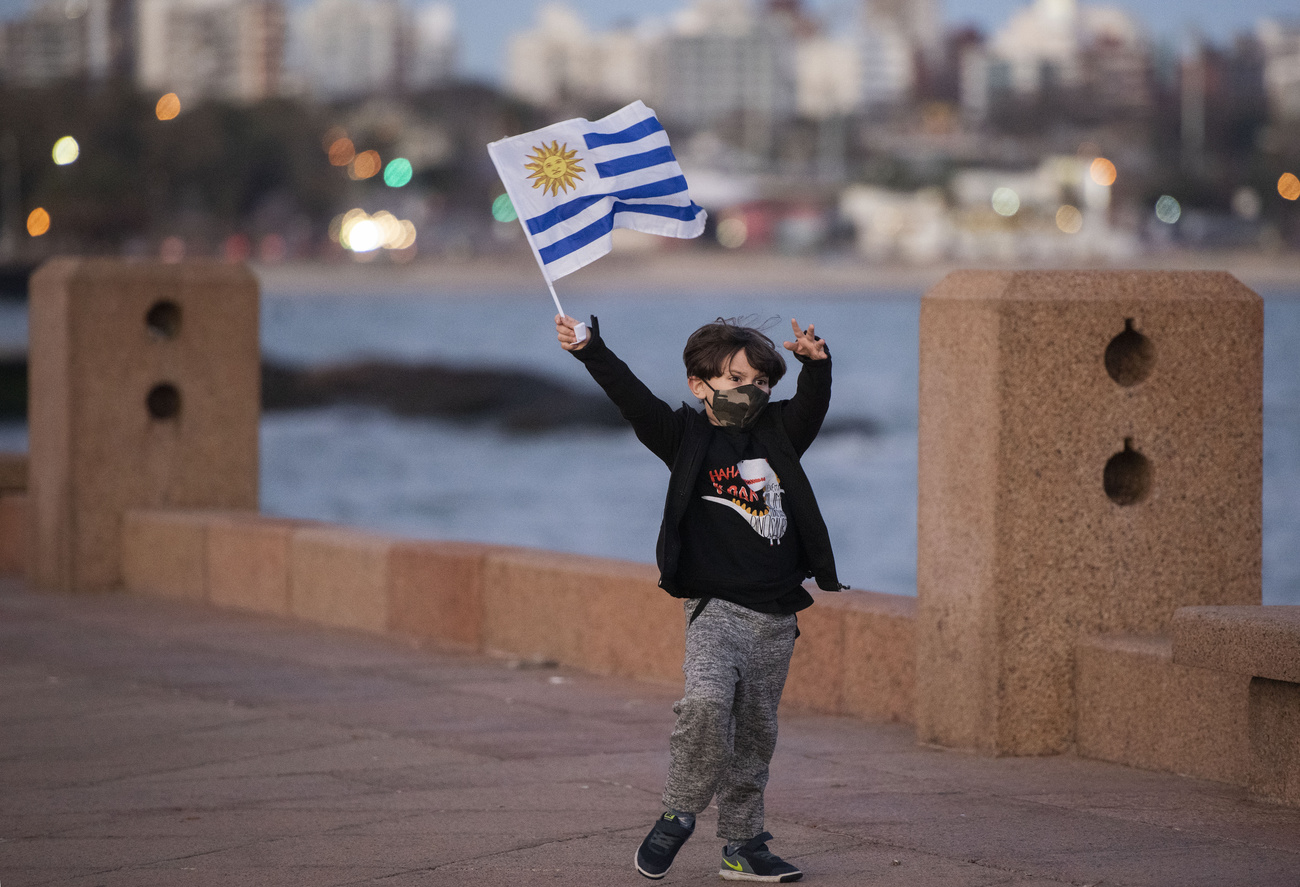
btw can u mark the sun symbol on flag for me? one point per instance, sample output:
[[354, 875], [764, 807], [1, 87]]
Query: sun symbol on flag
[[555, 168]]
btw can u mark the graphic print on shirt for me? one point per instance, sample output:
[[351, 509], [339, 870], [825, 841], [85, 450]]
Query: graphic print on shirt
[[753, 490]]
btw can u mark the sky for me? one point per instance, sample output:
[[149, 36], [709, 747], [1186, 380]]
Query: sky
[[485, 25]]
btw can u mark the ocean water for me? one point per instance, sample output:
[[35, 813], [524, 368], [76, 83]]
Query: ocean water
[[599, 491]]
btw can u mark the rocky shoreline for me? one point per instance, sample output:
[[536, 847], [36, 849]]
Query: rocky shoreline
[[516, 401]]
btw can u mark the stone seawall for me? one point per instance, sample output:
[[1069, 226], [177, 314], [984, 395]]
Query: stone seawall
[[855, 656]]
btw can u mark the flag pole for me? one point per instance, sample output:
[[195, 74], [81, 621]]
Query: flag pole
[[550, 286], [579, 328]]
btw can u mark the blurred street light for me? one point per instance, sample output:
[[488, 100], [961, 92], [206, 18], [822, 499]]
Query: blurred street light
[[341, 151], [1289, 186], [66, 150], [1168, 210], [365, 165], [1006, 202], [398, 172], [1102, 172], [38, 222], [168, 107], [1069, 219], [503, 209]]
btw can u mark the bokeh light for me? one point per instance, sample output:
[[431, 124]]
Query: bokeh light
[[66, 150], [237, 248], [365, 236], [732, 233], [341, 151], [38, 222], [168, 107], [332, 135], [362, 233], [503, 210], [1006, 202], [405, 235], [365, 165], [1103, 172], [1289, 186], [1069, 219], [398, 172], [1168, 210], [1246, 203]]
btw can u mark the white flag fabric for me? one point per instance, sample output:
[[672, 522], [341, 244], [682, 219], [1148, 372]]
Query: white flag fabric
[[574, 182]]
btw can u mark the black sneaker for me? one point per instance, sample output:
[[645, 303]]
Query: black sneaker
[[655, 855], [754, 862]]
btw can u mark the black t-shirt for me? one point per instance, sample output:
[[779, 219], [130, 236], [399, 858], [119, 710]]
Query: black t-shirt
[[739, 542]]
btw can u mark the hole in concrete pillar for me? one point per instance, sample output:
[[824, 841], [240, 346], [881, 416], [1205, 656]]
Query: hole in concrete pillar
[[1127, 477], [163, 401], [1130, 356], [164, 319]]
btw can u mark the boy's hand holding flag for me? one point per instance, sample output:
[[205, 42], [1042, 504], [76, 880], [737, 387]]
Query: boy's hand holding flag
[[574, 182]]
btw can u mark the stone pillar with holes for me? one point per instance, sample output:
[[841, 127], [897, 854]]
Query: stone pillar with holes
[[1090, 459], [144, 383]]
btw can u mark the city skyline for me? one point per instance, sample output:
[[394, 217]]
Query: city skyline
[[485, 28]]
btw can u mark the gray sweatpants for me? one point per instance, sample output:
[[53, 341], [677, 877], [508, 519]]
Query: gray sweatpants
[[736, 662]]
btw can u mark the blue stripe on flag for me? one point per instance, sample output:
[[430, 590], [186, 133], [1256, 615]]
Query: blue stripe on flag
[[632, 162], [662, 188], [578, 239], [633, 133], [605, 224], [681, 213]]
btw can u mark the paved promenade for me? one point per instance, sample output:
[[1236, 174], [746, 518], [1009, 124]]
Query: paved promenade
[[147, 743]]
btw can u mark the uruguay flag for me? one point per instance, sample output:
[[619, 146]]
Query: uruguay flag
[[574, 182]]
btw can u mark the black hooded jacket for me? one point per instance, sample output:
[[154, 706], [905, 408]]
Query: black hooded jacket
[[681, 437]]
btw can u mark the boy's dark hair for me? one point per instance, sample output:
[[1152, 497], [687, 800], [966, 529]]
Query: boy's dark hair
[[709, 350]]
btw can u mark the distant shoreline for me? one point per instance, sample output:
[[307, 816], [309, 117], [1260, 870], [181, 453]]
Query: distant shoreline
[[680, 272]]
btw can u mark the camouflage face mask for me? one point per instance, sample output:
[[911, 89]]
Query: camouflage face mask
[[738, 407]]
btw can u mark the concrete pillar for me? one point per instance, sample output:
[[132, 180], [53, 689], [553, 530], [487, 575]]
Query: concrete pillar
[[1090, 460], [1274, 721], [144, 391]]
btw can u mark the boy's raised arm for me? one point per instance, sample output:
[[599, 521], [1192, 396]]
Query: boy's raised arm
[[812, 397], [655, 423]]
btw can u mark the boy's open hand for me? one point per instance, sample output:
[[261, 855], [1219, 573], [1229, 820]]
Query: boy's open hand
[[565, 333], [806, 342]]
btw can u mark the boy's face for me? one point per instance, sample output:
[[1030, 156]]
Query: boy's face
[[735, 372]]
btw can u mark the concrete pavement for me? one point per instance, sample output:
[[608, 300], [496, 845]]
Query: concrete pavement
[[148, 743]]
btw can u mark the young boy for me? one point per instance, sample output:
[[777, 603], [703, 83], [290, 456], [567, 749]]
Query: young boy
[[740, 533]]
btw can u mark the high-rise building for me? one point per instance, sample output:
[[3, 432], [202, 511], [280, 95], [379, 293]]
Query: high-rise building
[[724, 60], [1092, 60], [553, 60], [1281, 45], [59, 40], [343, 48], [561, 59], [229, 49], [349, 47], [918, 22], [433, 57], [827, 77], [887, 64]]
